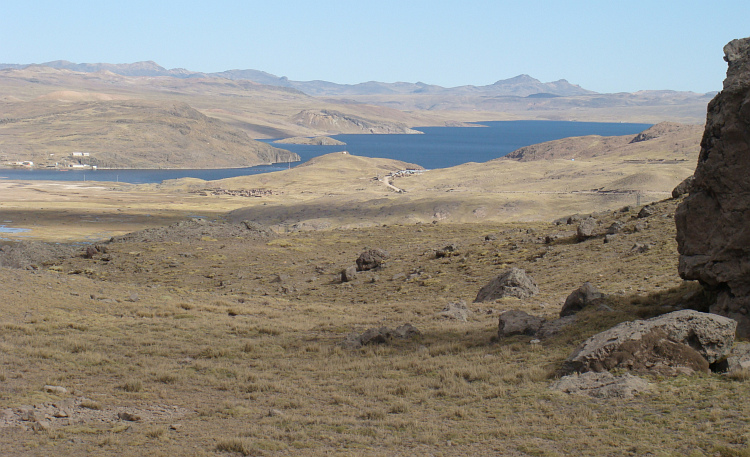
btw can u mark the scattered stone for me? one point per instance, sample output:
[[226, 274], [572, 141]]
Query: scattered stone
[[56, 390], [371, 259], [280, 278], [90, 251], [41, 426], [406, 331], [601, 385], [646, 211], [256, 227], [490, 237], [683, 187], [516, 322], [640, 248], [513, 283], [447, 251], [133, 298], [585, 296], [130, 417], [275, 412], [573, 219], [349, 273], [609, 238], [552, 327], [615, 228], [586, 229], [640, 226], [29, 415], [457, 310], [382, 335], [662, 344]]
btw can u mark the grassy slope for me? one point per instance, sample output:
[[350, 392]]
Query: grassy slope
[[201, 333]]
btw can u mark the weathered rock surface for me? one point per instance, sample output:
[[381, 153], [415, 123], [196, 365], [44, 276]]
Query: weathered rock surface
[[586, 229], [601, 385], [713, 222], [664, 344], [371, 259], [552, 327], [516, 322], [349, 273], [683, 187], [646, 211], [585, 296], [513, 283], [457, 310], [33, 255], [739, 358], [381, 335], [447, 251]]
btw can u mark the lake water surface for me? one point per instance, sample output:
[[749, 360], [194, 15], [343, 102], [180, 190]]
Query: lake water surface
[[439, 147]]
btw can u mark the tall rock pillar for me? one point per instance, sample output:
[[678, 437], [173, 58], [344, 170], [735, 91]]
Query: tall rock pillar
[[713, 222]]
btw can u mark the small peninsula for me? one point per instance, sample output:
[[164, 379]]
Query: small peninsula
[[314, 141]]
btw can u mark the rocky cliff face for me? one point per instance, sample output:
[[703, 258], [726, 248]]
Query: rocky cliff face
[[713, 223]]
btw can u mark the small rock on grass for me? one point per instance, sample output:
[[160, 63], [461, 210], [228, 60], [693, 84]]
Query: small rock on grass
[[601, 385], [56, 390]]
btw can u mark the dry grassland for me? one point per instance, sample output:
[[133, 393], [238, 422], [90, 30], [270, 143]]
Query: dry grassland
[[230, 346]]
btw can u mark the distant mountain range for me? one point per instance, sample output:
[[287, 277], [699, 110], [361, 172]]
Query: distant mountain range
[[144, 115], [519, 86]]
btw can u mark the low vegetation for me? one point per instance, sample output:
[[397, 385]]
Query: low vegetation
[[232, 346]]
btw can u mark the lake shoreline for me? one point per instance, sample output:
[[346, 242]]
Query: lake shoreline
[[439, 147]]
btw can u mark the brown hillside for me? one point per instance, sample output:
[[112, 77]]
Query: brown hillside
[[670, 139], [127, 134]]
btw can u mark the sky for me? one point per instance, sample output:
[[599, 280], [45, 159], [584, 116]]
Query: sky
[[605, 46]]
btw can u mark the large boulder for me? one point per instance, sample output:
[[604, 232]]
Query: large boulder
[[583, 297], [713, 222], [664, 344], [513, 283]]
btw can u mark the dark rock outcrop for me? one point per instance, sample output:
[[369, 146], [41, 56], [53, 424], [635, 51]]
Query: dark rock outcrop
[[713, 222], [513, 283]]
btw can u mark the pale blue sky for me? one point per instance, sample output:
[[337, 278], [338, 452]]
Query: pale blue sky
[[606, 46]]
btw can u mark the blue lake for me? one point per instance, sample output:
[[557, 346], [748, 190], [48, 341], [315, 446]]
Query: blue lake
[[438, 147]]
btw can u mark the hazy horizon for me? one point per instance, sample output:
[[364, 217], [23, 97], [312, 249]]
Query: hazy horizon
[[603, 47]]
